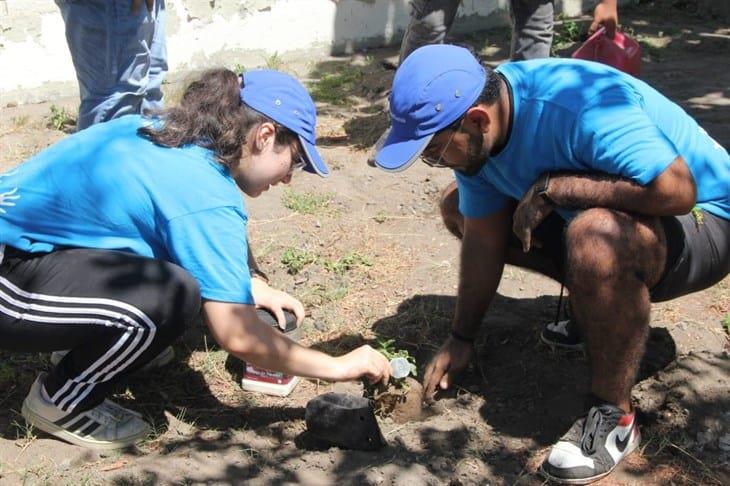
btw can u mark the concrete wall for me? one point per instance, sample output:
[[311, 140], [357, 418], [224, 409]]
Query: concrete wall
[[35, 64]]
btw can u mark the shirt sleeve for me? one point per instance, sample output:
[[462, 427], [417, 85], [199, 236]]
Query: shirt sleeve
[[478, 197], [212, 246], [616, 135]]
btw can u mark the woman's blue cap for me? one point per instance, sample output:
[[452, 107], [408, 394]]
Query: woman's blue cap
[[282, 98], [433, 87]]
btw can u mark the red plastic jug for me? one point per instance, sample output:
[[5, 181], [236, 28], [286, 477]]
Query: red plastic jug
[[621, 52]]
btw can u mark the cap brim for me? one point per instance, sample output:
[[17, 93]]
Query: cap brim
[[396, 155], [315, 164]]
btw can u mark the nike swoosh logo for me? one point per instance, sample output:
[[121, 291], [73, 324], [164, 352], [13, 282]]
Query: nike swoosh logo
[[621, 444]]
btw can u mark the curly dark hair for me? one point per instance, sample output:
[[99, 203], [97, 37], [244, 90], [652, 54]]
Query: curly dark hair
[[211, 115]]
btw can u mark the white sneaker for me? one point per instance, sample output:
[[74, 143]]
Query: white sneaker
[[164, 358], [106, 426]]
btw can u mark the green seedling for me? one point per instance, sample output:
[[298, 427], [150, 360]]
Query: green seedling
[[698, 216], [295, 259], [274, 61], [726, 323], [388, 349], [348, 262], [381, 217], [59, 118], [306, 203]]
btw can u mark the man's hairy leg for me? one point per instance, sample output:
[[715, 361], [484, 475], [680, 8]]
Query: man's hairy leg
[[613, 259]]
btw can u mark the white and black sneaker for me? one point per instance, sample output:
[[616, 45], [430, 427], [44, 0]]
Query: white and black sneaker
[[562, 333], [106, 426], [163, 359], [593, 446]]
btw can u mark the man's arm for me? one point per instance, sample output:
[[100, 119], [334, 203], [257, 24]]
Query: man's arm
[[606, 15], [239, 331], [671, 193], [483, 250]]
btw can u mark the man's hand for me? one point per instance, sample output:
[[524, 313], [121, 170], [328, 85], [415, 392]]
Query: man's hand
[[364, 362], [276, 301], [606, 15], [449, 362], [530, 212]]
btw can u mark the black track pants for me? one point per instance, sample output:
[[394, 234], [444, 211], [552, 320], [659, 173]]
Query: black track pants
[[115, 311]]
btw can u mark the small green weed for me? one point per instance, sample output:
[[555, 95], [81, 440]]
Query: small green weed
[[567, 31], [295, 259], [726, 323], [20, 121], [381, 217], [333, 87], [348, 262], [305, 203], [239, 68], [388, 349], [320, 294], [59, 118], [698, 216], [274, 61]]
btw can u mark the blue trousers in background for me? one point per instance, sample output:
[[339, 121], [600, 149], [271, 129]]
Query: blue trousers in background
[[120, 57]]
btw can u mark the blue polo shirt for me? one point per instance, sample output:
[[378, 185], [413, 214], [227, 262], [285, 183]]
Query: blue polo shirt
[[572, 115], [106, 187]]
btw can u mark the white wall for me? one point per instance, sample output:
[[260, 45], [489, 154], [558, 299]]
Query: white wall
[[35, 64]]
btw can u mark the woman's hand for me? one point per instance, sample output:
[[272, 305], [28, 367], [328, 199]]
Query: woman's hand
[[364, 362], [276, 301]]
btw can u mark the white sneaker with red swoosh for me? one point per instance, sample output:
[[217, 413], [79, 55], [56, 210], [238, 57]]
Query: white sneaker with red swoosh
[[593, 446]]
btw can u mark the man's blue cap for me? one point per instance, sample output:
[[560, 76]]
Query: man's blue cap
[[283, 99], [433, 87]]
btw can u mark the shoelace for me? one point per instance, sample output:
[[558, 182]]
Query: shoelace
[[591, 427]]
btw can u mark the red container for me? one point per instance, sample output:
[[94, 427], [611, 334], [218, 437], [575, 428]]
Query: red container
[[621, 52]]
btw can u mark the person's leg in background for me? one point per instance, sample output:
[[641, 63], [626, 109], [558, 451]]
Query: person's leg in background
[[532, 29], [115, 311], [118, 55], [430, 21]]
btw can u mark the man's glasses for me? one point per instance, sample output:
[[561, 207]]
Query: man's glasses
[[436, 162]]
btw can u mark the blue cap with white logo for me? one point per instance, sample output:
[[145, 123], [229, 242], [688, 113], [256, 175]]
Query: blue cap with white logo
[[432, 88], [283, 99]]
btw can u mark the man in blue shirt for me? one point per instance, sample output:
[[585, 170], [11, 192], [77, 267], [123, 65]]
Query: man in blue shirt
[[582, 173]]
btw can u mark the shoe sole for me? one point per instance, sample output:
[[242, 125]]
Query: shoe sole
[[569, 347], [591, 479], [56, 431]]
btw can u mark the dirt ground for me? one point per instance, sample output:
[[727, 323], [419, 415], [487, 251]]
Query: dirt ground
[[367, 254]]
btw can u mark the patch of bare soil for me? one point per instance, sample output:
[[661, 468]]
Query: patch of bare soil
[[369, 258]]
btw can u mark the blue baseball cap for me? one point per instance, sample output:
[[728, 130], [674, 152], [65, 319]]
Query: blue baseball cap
[[432, 88], [283, 99]]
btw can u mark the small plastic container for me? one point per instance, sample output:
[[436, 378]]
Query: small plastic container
[[621, 52], [272, 382]]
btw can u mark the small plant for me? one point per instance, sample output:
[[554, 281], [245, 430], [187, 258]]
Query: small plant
[[295, 259], [274, 61], [59, 118], [567, 31], [333, 87], [348, 262], [305, 203], [381, 217], [239, 68], [388, 349], [698, 216], [20, 121], [726, 323]]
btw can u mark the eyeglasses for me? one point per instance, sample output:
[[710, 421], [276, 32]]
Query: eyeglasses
[[297, 163], [436, 161]]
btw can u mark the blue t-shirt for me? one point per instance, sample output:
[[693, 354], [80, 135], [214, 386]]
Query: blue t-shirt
[[571, 115], [108, 188]]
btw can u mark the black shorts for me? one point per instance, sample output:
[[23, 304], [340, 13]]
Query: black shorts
[[698, 251]]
